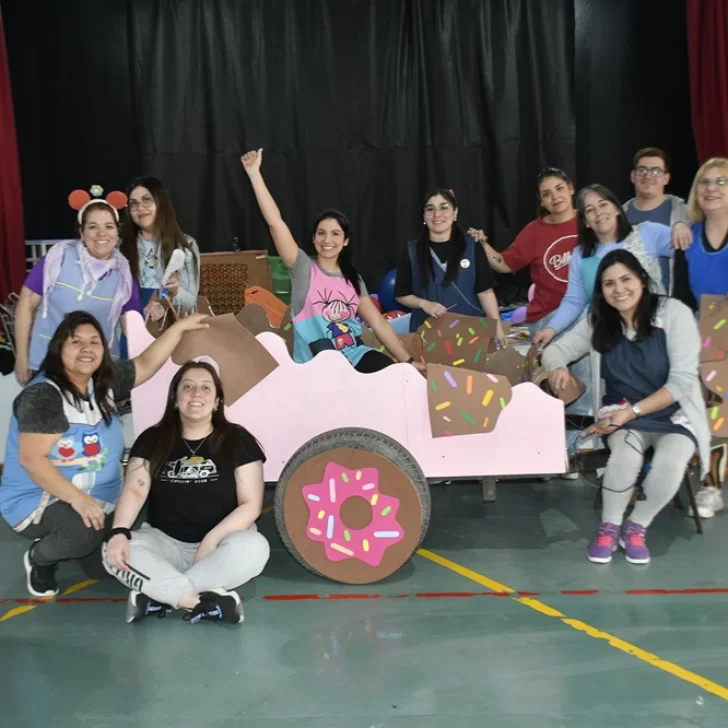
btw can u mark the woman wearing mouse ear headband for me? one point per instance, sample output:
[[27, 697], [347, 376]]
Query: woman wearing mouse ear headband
[[88, 274]]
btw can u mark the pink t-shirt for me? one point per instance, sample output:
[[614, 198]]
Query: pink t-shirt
[[546, 249]]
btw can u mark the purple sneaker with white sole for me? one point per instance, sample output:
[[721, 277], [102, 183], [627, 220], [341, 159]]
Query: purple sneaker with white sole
[[633, 541], [607, 540]]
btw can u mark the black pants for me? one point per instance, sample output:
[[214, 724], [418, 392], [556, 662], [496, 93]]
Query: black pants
[[373, 361], [64, 536]]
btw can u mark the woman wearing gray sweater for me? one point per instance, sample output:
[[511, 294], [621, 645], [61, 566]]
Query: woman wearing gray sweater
[[644, 351]]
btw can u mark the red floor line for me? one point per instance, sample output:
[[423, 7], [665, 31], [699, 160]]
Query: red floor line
[[579, 592], [418, 595], [659, 592]]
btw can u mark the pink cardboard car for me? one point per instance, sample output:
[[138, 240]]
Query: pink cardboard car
[[351, 454]]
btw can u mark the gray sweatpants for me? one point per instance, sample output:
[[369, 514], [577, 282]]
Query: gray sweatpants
[[672, 452], [162, 567]]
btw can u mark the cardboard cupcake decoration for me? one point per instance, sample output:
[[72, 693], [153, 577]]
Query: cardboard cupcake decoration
[[464, 402], [458, 341], [714, 359]]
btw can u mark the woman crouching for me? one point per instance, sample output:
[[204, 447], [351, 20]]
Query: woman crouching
[[645, 349], [202, 477]]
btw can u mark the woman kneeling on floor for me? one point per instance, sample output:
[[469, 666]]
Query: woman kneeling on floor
[[203, 479], [645, 349]]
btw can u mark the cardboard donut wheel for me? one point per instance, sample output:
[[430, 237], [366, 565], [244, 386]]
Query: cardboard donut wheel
[[352, 505]]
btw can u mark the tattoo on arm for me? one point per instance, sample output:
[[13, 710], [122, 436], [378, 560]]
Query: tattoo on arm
[[498, 259]]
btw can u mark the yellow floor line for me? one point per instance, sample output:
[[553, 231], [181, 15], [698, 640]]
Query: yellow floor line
[[626, 647], [77, 587], [17, 611], [267, 509]]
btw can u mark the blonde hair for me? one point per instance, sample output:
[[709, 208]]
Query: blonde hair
[[694, 211]]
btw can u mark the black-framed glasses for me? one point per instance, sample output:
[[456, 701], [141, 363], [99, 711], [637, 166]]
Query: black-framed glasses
[[643, 171]]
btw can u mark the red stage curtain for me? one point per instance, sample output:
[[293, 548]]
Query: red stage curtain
[[12, 238], [708, 48]]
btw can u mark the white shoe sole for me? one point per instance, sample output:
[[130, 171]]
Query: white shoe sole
[[236, 597], [638, 562], [28, 567], [705, 511]]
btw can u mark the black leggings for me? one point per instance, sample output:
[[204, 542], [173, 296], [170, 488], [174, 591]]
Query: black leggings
[[373, 361], [63, 536]]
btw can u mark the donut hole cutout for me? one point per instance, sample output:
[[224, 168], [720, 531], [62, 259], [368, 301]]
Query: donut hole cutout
[[356, 513]]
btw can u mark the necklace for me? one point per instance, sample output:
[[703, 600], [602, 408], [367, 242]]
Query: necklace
[[194, 452]]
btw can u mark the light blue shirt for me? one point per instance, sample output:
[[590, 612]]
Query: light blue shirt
[[657, 240]]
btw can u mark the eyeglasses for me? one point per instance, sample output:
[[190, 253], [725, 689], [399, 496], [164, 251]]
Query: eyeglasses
[[146, 202], [442, 207], [644, 171], [706, 182]]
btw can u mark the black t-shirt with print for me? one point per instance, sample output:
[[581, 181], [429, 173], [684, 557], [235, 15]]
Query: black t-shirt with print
[[193, 493]]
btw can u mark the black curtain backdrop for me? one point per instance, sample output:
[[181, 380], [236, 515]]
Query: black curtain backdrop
[[359, 104], [632, 90], [362, 105]]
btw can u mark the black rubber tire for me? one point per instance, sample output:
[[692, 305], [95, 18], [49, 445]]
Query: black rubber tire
[[357, 439]]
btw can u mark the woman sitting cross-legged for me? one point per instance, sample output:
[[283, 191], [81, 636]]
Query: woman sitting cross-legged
[[645, 348], [202, 477]]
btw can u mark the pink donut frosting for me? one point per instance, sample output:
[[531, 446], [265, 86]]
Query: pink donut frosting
[[324, 501]]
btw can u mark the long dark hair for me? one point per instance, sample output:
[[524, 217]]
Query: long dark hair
[[168, 431], [457, 237], [605, 319], [167, 227], [344, 260], [544, 174], [587, 237], [103, 377]]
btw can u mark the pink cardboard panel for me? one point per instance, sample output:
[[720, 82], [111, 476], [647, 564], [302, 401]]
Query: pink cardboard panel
[[297, 402]]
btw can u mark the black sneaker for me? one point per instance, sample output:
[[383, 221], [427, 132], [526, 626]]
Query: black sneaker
[[217, 605], [40, 578], [140, 606]]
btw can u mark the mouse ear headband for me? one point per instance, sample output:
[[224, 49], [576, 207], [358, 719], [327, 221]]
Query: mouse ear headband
[[80, 200]]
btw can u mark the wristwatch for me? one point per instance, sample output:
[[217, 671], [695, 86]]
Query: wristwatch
[[636, 409]]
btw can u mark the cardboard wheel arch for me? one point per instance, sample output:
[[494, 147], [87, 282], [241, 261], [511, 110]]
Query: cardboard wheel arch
[[352, 505]]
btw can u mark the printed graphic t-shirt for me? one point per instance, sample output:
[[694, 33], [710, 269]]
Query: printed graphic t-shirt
[[546, 249], [193, 493]]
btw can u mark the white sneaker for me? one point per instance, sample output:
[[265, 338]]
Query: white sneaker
[[709, 501]]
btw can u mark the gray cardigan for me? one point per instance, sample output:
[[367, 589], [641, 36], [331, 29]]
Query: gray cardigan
[[679, 212], [683, 351]]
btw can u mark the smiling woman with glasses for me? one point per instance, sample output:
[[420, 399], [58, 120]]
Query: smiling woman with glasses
[[702, 270], [150, 235]]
